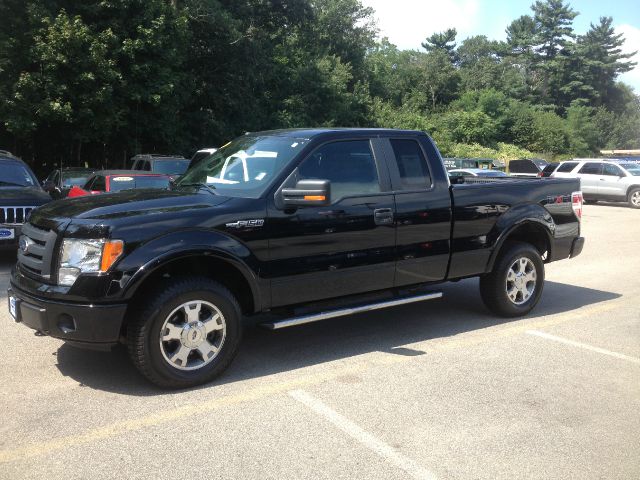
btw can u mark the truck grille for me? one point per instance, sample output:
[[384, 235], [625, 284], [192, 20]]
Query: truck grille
[[35, 252], [14, 215]]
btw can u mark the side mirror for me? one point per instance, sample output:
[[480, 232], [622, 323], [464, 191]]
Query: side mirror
[[308, 193]]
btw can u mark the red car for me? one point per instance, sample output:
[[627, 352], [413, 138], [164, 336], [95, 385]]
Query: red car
[[107, 181]]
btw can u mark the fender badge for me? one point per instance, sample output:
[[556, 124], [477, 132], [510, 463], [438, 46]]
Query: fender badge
[[246, 223]]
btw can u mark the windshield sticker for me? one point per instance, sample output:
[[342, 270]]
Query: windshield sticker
[[122, 179]]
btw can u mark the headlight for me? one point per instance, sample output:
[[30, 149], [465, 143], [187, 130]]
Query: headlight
[[80, 256]]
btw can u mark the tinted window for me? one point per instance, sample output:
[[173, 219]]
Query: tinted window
[[567, 167], [412, 165], [99, 184], [15, 175], [612, 170], [591, 168], [550, 168], [146, 166], [171, 167], [523, 166], [349, 166]]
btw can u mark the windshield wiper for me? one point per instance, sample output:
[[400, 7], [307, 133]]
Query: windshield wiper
[[209, 188], [13, 184]]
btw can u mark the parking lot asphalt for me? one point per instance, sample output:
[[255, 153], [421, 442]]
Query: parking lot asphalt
[[439, 390]]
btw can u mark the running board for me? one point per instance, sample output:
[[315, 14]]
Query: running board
[[291, 322]]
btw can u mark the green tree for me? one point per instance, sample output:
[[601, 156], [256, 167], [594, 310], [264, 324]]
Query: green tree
[[442, 42]]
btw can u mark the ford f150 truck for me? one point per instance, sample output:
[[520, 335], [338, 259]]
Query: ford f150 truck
[[282, 228]]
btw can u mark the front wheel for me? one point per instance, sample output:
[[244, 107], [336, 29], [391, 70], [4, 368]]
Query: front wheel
[[515, 285], [634, 198], [187, 334]]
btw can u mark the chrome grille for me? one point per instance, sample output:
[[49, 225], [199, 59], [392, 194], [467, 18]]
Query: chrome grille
[[14, 215], [35, 252]]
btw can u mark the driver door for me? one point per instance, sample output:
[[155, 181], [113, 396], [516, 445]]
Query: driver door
[[347, 247]]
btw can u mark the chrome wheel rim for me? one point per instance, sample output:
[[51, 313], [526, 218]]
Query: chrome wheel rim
[[192, 335], [521, 281], [635, 198]]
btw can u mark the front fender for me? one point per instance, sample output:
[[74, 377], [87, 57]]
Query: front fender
[[142, 262]]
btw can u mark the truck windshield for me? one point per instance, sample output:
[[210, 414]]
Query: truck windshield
[[244, 167]]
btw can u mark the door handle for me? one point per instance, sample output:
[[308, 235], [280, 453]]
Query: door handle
[[383, 216]]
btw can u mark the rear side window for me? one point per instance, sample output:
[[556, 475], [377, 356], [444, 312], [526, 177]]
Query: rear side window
[[612, 170], [567, 167], [412, 164], [349, 166], [591, 168], [550, 168]]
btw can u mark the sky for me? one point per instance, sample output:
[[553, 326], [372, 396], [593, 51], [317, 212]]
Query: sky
[[408, 22]]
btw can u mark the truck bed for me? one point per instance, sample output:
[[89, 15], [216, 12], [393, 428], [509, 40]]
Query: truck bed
[[484, 209]]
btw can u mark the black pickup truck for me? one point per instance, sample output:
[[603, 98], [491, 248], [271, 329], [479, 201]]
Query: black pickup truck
[[282, 228]]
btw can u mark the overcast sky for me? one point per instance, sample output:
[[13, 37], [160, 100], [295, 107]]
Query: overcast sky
[[408, 22]]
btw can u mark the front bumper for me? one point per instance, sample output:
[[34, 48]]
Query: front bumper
[[84, 325]]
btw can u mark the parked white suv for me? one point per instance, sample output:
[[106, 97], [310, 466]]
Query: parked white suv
[[617, 181]]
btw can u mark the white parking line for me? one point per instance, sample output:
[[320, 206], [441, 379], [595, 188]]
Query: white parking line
[[378, 446], [566, 341]]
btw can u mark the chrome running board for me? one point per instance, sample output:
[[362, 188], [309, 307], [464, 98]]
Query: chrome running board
[[301, 320]]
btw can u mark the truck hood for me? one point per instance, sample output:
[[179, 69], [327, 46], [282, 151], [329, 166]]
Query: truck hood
[[23, 196], [129, 204]]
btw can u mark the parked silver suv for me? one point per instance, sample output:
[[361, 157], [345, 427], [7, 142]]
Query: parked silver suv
[[613, 180]]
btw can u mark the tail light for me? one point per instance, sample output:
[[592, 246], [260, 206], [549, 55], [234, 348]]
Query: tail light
[[540, 175], [576, 203]]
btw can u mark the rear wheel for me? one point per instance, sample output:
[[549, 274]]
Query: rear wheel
[[187, 334], [515, 285], [634, 198]]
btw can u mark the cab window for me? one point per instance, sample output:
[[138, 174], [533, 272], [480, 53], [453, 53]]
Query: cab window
[[349, 166], [412, 165]]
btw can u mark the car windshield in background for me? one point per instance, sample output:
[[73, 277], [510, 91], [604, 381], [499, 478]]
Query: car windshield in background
[[632, 168], [171, 167], [246, 166], [75, 179], [15, 175], [117, 184]]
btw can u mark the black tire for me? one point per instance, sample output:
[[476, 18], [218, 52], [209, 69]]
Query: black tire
[[144, 330], [634, 198], [494, 286]]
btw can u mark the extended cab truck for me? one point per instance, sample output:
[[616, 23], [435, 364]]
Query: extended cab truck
[[282, 228]]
